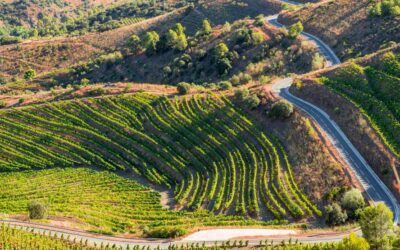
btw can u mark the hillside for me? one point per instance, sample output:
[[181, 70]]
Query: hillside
[[253, 52], [363, 98], [347, 26], [150, 136], [45, 55]]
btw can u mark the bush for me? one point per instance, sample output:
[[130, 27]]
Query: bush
[[353, 74], [250, 101], [263, 79], [165, 233], [2, 104], [84, 82], [260, 20], [295, 30], [37, 210], [29, 74], [352, 201], [225, 85], [183, 88], [96, 92], [281, 109], [334, 215]]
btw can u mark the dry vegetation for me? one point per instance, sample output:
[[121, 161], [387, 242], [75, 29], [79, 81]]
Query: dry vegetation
[[346, 26]]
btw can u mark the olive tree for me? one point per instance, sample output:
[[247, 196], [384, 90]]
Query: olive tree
[[281, 109]]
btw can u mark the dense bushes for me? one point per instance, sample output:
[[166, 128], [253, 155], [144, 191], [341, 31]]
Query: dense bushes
[[385, 8], [250, 101], [183, 88], [165, 233]]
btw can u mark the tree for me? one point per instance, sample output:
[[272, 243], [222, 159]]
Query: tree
[[224, 65], [252, 101], [281, 109], [334, 215], [220, 50], [376, 223], [260, 20], [352, 201], [353, 242], [29, 74], [257, 38], [135, 44], [150, 41], [37, 210], [183, 88], [295, 30], [206, 28], [241, 94]]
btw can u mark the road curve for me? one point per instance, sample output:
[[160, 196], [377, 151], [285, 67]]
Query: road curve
[[374, 187]]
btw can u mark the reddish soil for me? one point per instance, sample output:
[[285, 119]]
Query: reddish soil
[[357, 127]]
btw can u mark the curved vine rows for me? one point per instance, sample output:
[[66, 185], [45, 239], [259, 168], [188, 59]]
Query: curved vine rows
[[208, 151]]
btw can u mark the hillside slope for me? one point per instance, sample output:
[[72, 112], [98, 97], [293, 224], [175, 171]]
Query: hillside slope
[[346, 26], [363, 99]]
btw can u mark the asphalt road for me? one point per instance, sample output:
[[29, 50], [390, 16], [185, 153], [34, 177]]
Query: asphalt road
[[375, 188]]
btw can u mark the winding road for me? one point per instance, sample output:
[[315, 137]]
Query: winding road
[[375, 188]]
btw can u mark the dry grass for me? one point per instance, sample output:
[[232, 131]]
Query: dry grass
[[345, 25]]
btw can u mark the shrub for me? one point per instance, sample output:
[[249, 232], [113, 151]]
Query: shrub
[[235, 80], [225, 85], [353, 74], [165, 232], [295, 30], [317, 62], [2, 104], [260, 20], [2, 80], [37, 210], [264, 79], [183, 88], [241, 94], [135, 44], [29, 74], [252, 101], [84, 82], [96, 91], [281, 109], [334, 215], [352, 201]]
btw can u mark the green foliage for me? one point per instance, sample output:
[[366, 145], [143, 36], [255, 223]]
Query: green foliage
[[334, 215], [206, 28], [317, 62], [295, 30], [183, 88], [376, 223], [225, 85], [376, 91], [352, 74], [150, 42], [260, 20], [37, 210], [165, 232], [385, 8], [135, 44], [353, 242], [281, 109], [134, 132], [221, 50], [352, 201], [29, 74], [84, 82], [250, 101]]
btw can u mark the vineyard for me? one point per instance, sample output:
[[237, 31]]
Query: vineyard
[[206, 149], [99, 201], [15, 238], [376, 91]]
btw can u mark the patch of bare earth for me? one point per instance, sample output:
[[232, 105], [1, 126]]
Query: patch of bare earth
[[356, 126]]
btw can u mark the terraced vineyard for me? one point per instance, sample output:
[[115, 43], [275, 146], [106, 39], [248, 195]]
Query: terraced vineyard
[[207, 150], [376, 91], [100, 202]]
